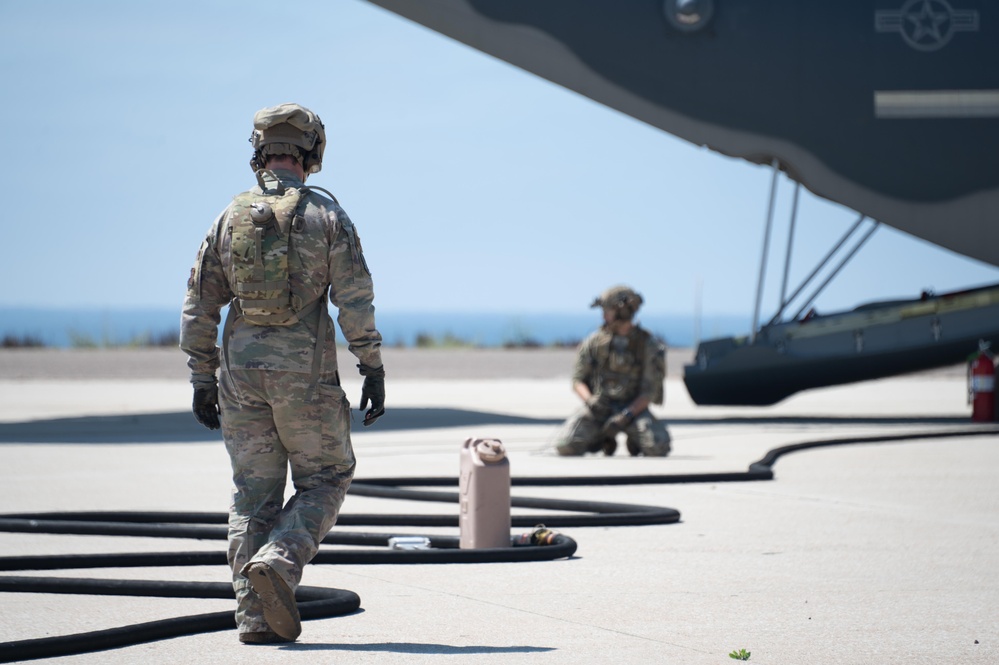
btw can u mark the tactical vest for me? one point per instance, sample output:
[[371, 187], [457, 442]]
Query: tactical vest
[[260, 229], [619, 369], [260, 243]]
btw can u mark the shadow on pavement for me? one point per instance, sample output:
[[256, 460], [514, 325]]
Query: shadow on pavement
[[183, 428], [820, 420]]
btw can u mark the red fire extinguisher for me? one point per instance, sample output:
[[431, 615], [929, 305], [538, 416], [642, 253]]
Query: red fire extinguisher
[[982, 385]]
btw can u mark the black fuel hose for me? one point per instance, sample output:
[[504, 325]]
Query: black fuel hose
[[315, 602]]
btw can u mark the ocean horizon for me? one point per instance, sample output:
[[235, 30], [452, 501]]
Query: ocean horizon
[[67, 328]]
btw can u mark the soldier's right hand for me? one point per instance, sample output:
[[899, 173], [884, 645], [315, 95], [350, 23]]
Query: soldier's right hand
[[206, 406]]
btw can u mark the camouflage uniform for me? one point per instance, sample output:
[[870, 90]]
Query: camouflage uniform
[[279, 407], [617, 369]]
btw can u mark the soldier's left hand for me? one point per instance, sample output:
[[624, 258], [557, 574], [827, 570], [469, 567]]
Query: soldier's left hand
[[618, 423], [374, 390]]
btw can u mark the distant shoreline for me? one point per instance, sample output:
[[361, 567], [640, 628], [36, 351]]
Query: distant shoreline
[[90, 328]]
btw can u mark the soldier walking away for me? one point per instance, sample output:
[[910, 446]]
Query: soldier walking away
[[619, 372], [274, 256]]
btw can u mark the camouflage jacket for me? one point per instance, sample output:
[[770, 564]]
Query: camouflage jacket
[[326, 254], [622, 367]]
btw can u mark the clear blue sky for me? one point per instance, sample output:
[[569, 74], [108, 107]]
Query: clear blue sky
[[474, 185]]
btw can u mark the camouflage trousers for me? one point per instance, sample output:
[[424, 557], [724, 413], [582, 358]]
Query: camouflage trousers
[[582, 433], [268, 427]]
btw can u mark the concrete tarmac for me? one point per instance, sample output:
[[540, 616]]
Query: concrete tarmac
[[864, 553]]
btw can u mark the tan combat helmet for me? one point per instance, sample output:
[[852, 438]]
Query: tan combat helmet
[[288, 129], [622, 300]]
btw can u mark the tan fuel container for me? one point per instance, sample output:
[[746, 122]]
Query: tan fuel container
[[484, 495]]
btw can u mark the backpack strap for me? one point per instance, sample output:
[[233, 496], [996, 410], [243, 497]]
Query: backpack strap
[[226, 334], [317, 354], [324, 317]]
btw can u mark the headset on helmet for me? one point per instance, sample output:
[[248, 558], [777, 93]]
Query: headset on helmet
[[288, 129], [621, 299]]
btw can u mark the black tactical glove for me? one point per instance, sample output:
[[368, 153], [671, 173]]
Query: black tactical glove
[[373, 389], [206, 406], [618, 423]]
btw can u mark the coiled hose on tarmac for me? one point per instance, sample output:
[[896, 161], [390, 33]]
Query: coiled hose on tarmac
[[315, 602]]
